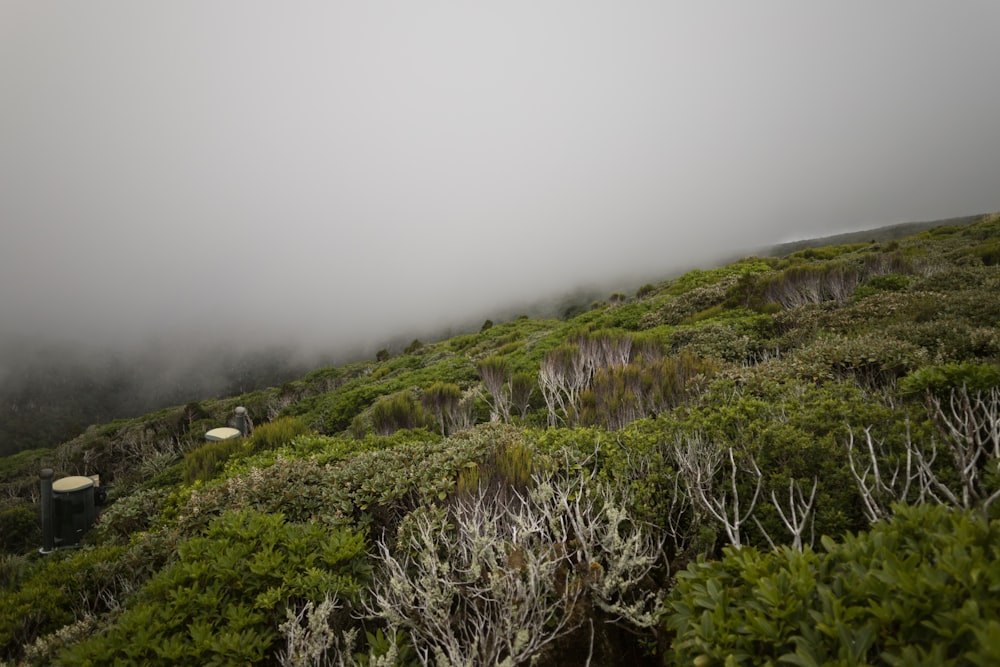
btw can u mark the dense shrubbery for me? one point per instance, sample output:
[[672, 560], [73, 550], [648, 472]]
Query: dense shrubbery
[[221, 602], [918, 589], [204, 462], [941, 381], [762, 404], [18, 528]]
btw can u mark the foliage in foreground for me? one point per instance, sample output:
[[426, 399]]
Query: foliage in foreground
[[774, 399], [918, 589], [499, 576], [221, 601]]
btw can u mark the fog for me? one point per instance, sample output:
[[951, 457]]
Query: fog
[[332, 175]]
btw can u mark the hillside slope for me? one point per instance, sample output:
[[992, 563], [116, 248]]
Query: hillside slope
[[645, 482]]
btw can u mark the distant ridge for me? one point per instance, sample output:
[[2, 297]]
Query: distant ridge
[[879, 234]]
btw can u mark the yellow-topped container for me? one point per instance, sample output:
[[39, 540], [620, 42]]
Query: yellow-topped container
[[73, 505]]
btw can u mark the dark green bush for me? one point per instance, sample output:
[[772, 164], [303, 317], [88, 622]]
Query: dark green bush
[[644, 291], [893, 282], [373, 480], [920, 589], [19, 529], [988, 253], [871, 360], [718, 340], [949, 339], [689, 303]]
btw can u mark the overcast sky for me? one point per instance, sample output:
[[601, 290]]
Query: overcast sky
[[346, 171]]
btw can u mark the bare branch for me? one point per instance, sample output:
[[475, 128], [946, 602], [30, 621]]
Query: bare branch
[[499, 576], [799, 511]]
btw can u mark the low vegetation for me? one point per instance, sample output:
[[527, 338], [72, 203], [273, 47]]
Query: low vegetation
[[785, 460]]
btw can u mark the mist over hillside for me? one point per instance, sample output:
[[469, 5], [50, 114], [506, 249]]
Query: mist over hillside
[[51, 388], [817, 423], [334, 175], [298, 187]]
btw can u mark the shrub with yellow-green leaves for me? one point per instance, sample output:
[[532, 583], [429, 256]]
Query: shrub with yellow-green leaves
[[377, 485], [223, 599], [64, 588], [399, 411]]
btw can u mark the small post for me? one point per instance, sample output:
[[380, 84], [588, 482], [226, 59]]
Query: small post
[[48, 520], [241, 420]]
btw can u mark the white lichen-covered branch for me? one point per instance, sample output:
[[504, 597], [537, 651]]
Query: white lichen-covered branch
[[499, 576], [969, 427]]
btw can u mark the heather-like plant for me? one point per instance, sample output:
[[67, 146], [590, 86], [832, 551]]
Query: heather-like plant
[[397, 412], [203, 463], [274, 434], [442, 399], [495, 373]]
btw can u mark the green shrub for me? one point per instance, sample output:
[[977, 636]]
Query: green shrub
[[334, 412], [397, 412], [19, 529], [689, 303], [204, 462], [949, 340], [131, 514], [872, 360], [920, 589], [275, 434], [222, 601], [827, 252], [892, 282], [644, 291], [795, 430], [62, 588], [11, 568], [942, 380], [376, 485], [955, 279], [718, 340]]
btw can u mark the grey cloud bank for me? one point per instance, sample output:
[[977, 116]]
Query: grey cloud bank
[[335, 172]]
